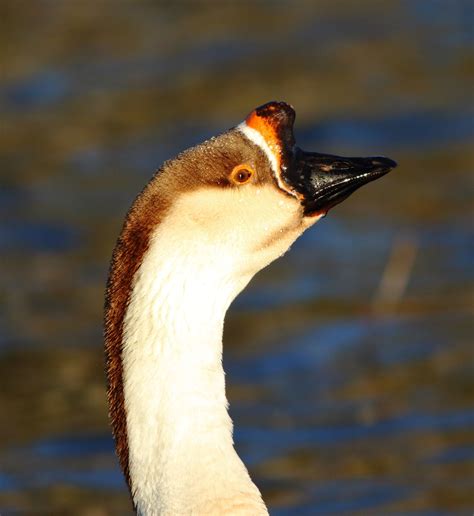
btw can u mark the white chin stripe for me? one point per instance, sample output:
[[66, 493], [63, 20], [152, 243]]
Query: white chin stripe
[[255, 137]]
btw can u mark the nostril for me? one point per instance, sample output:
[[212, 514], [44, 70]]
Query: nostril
[[339, 165]]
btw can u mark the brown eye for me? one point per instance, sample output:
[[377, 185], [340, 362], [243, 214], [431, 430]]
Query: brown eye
[[241, 174]]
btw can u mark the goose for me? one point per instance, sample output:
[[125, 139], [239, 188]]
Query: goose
[[206, 222]]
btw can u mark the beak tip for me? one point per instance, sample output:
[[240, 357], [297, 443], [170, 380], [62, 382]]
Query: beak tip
[[383, 162]]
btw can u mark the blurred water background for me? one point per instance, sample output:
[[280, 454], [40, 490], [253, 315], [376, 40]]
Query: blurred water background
[[350, 360]]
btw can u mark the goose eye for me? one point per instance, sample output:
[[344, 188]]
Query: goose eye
[[241, 174]]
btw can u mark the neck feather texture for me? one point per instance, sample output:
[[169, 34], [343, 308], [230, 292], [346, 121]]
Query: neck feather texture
[[181, 458]]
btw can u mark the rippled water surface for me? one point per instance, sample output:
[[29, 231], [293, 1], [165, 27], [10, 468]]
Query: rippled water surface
[[350, 360]]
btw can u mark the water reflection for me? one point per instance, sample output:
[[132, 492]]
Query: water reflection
[[340, 407]]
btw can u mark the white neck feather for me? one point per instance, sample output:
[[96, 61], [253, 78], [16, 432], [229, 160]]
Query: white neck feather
[[181, 453]]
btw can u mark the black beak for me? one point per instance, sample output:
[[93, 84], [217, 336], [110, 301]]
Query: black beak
[[320, 180], [324, 180]]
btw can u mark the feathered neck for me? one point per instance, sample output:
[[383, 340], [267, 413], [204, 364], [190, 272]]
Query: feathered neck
[[174, 437]]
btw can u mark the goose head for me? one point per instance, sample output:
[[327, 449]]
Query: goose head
[[246, 195]]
